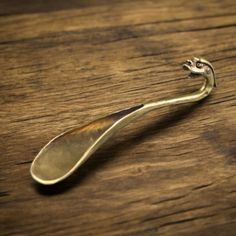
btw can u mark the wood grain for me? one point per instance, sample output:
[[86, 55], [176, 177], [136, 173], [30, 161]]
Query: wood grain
[[65, 63]]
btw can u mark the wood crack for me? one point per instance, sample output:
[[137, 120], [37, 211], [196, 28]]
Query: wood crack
[[177, 212], [4, 194], [186, 220]]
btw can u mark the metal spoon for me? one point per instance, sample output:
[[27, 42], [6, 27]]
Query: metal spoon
[[68, 151]]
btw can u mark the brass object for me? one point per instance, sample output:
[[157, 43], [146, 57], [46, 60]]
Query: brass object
[[69, 150]]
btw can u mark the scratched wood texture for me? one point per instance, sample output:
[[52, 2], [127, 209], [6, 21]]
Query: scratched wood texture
[[66, 63]]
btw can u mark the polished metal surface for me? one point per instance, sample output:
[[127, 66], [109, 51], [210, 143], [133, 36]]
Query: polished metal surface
[[68, 151]]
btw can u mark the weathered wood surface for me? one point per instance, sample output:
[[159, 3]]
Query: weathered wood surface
[[65, 63]]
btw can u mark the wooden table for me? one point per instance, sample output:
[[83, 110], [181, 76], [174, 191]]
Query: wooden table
[[65, 63]]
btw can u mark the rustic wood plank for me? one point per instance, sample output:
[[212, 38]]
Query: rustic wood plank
[[70, 62]]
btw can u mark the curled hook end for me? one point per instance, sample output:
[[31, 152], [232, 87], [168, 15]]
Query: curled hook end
[[200, 67]]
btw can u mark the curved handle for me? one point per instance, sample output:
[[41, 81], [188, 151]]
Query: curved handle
[[197, 67], [68, 151]]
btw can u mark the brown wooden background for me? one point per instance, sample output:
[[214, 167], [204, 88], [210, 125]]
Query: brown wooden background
[[64, 63]]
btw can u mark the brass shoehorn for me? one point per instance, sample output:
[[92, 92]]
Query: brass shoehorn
[[68, 151]]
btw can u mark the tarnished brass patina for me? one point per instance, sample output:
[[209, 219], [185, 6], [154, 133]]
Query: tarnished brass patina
[[68, 151]]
